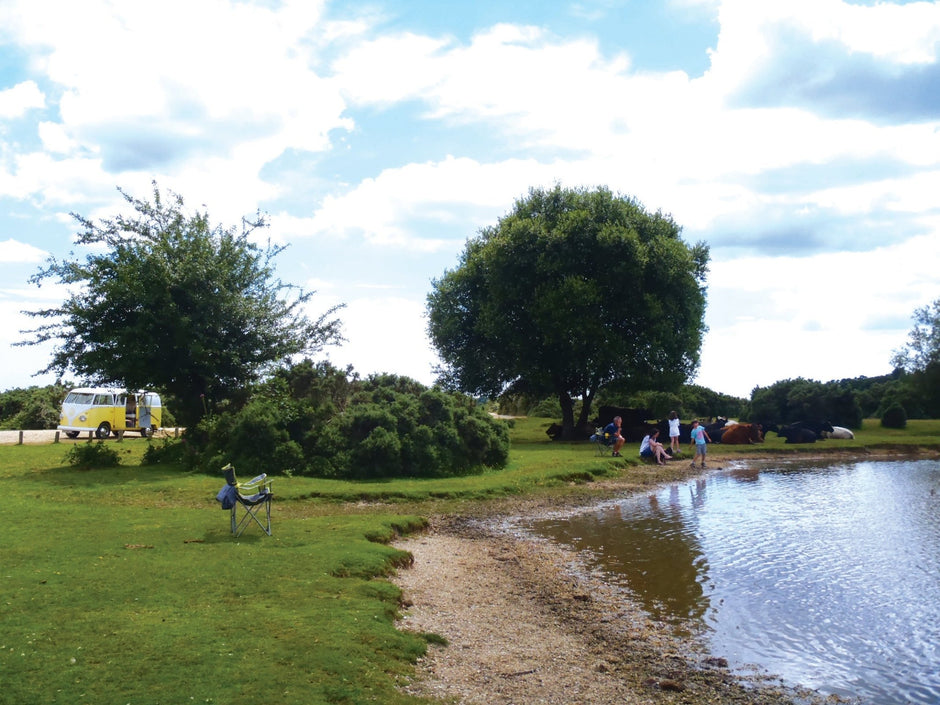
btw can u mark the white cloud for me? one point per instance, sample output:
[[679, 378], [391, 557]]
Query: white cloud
[[673, 141], [821, 317], [15, 251], [20, 363], [55, 181], [380, 208], [55, 139], [233, 94], [912, 194], [248, 82], [386, 335], [903, 34], [17, 101]]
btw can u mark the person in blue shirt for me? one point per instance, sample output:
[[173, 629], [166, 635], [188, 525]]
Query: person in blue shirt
[[699, 438], [613, 436]]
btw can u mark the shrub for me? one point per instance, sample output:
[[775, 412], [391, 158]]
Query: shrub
[[314, 420], [255, 439], [88, 456], [396, 427], [32, 408], [548, 408], [894, 416], [168, 451]]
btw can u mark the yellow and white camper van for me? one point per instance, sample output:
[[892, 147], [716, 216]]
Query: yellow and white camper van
[[105, 411]]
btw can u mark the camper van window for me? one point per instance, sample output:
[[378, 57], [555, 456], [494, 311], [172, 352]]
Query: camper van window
[[82, 398], [103, 400]]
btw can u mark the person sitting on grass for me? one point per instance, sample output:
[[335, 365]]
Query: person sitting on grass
[[652, 448]]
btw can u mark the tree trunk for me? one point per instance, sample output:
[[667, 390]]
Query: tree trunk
[[567, 416], [587, 400]]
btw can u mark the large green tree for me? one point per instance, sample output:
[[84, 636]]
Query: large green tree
[[920, 357], [164, 299], [573, 290]]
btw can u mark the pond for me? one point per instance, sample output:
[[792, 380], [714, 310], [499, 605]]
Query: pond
[[825, 575]]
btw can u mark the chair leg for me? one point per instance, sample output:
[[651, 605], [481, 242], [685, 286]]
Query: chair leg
[[251, 514]]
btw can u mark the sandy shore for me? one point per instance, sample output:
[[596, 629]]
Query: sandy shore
[[524, 624]]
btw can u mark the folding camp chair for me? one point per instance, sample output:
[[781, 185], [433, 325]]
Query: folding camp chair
[[251, 496], [602, 442]]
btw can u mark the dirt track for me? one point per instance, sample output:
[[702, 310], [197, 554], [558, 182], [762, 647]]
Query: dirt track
[[10, 438]]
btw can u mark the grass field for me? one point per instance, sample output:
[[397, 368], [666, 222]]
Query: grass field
[[124, 585]]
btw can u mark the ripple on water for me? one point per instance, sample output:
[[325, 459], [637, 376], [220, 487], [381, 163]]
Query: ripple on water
[[828, 575]]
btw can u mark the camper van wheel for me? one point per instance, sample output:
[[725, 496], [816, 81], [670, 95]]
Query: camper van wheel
[[72, 434], [148, 432], [104, 430]]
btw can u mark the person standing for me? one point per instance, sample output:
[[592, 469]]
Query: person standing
[[673, 432], [699, 439]]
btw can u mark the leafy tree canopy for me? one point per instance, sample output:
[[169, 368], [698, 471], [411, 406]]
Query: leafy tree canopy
[[573, 290], [166, 300], [923, 346], [802, 399], [920, 357]]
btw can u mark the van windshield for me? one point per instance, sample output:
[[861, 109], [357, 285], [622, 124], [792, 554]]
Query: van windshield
[[79, 398]]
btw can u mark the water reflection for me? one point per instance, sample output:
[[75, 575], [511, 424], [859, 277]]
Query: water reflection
[[828, 575], [648, 545]]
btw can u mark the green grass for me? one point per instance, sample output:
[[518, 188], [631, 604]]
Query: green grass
[[124, 585]]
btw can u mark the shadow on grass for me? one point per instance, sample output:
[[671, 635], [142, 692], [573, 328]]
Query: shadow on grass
[[67, 475]]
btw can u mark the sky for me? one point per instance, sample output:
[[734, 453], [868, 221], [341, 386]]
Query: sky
[[799, 139]]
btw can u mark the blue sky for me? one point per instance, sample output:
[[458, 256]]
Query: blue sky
[[800, 139]]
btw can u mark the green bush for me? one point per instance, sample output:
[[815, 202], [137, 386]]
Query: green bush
[[32, 408], [168, 451], [255, 439], [548, 408], [88, 456], [894, 416], [396, 427], [315, 420]]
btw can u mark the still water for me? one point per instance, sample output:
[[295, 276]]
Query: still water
[[826, 575]]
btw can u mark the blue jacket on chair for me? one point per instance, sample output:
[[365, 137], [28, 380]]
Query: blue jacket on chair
[[228, 496]]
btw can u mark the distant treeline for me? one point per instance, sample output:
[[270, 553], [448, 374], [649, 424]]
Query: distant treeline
[[844, 402]]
